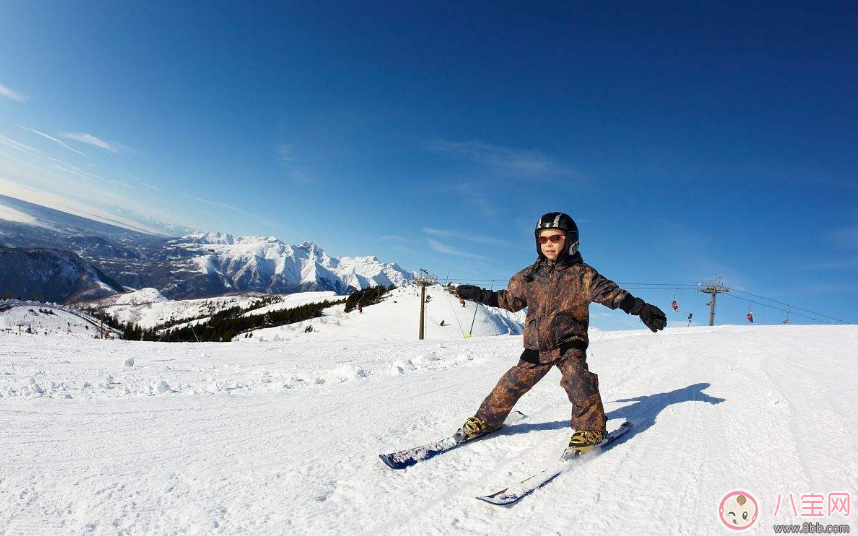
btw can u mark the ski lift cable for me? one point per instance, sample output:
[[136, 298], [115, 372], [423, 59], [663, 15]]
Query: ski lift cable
[[638, 285], [777, 308], [792, 306], [668, 285], [793, 313]]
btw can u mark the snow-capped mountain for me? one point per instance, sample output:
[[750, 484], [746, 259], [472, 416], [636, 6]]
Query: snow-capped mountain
[[198, 265], [266, 264]]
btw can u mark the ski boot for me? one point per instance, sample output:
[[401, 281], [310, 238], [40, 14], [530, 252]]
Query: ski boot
[[474, 427], [580, 442]]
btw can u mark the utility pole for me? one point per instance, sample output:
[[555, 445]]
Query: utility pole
[[713, 288], [423, 281]]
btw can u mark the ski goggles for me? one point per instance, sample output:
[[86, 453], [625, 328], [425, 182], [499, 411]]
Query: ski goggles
[[554, 239]]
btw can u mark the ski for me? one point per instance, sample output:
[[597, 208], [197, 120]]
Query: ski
[[409, 457], [520, 490]]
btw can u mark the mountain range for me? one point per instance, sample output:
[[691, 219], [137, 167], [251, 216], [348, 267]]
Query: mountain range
[[195, 265]]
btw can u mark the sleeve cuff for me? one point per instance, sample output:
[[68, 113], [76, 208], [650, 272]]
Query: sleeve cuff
[[632, 305]]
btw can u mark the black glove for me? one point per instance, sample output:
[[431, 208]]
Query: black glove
[[469, 292], [651, 315], [477, 294]]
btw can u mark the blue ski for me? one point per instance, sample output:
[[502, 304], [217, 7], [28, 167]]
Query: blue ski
[[409, 457], [520, 490]]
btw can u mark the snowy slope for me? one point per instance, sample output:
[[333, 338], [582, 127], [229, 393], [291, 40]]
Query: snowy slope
[[397, 317], [282, 438], [290, 301], [147, 307], [46, 320]]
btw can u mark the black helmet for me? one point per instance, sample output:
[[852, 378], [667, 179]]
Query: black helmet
[[559, 220]]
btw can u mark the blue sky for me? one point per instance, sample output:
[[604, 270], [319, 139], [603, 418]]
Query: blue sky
[[688, 139]]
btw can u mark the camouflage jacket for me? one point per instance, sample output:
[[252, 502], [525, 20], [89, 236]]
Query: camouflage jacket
[[557, 301]]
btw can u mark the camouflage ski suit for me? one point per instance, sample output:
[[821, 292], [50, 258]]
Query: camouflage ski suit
[[557, 297]]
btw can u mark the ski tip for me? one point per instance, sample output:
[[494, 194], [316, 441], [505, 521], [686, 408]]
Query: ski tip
[[388, 461], [498, 501]]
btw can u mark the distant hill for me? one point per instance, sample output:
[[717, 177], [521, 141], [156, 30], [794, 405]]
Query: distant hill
[[45, 319], [397, 317], [51, 275]]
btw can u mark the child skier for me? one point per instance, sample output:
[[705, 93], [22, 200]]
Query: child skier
[[557, 290]]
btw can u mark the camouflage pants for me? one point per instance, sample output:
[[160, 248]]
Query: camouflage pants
[[581, 385]]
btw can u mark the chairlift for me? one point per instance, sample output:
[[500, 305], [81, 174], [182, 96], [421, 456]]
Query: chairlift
[[786, 320], [750, 315], [673, 304]]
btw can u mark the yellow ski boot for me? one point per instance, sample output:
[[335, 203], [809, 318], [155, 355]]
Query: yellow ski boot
[[580, 442], [474, 427]]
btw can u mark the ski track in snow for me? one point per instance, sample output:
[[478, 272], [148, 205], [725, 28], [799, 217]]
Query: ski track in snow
[[283, 437]]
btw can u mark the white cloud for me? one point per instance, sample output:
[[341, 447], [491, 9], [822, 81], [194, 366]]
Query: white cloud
[[522, 162], [466, 236], [443, 248], [61, 143], [19, 147], [139, 181], [232, 208], [64, 203], [480, 196], [89, 139], [286, 158], [9, 93]]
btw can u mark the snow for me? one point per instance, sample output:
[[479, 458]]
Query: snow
[[397, 317], [291, 301], [266, 263], [283, 437], [148, 308], [44, 320]]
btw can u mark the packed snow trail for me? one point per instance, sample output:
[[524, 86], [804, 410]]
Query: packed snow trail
[[283, 437]]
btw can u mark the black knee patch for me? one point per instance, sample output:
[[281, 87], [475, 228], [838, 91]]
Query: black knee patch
[[530, 356]]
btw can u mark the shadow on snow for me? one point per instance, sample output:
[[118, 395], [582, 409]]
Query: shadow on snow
[[642, 413]]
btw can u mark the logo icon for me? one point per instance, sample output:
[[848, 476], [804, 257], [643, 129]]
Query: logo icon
[[738, 510]]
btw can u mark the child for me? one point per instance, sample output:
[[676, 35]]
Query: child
[[557, 291]]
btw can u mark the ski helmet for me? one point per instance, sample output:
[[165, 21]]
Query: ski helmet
[[558, 220]]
